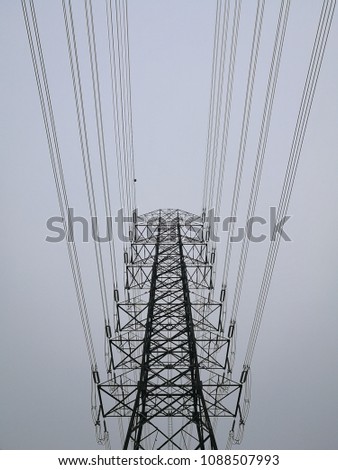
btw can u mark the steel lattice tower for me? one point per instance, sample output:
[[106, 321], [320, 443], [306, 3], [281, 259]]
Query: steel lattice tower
[[170, 379]]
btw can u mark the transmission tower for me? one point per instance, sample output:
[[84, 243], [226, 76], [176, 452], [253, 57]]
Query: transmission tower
[[170, 379]]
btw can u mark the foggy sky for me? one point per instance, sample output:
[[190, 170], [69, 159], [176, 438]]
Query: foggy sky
[[45, 374]]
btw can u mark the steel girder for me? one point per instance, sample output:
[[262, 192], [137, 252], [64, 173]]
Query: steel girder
[[169, 357]]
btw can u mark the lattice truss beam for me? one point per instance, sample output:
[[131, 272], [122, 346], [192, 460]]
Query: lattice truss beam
[[169, 358]]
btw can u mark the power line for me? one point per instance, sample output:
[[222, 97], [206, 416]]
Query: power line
[[263, 137], [129, 106], [219, 98], [56, 162], [211, 107], [318, 50], [118, 35], [297, 143], [55, 158], [101, 140], [82, 129], [226, 123], [228, 104], [243, 138]]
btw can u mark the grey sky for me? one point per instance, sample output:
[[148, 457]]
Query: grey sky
[[45, 393]]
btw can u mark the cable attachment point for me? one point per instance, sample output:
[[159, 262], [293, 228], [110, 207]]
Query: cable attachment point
[[96, 376], [222, 296], [244, 375], [231, 329], [108, 331]]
